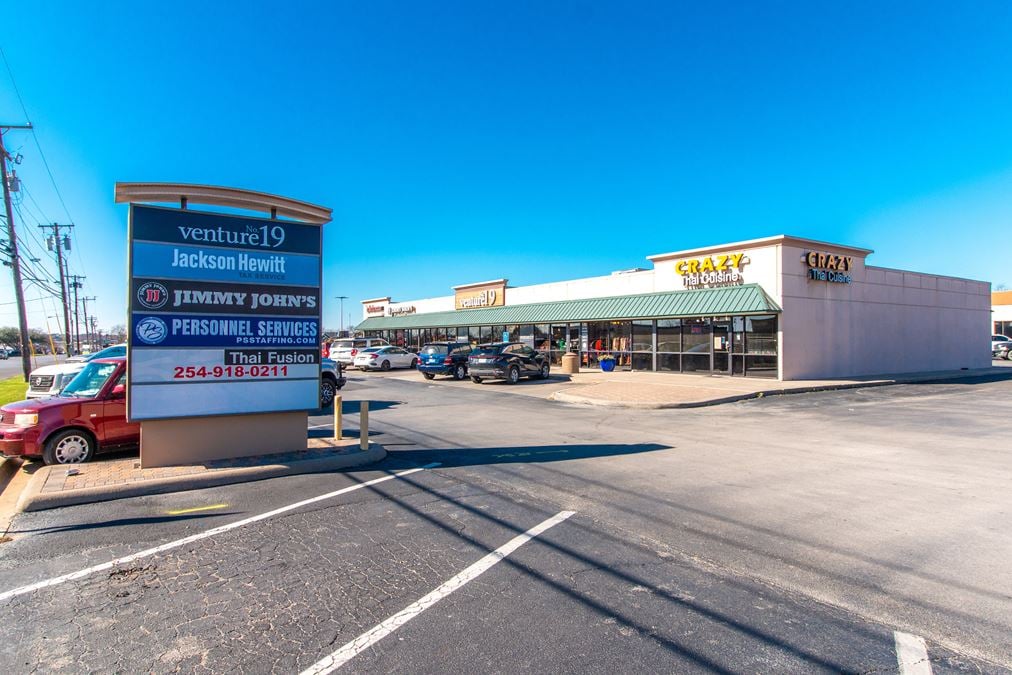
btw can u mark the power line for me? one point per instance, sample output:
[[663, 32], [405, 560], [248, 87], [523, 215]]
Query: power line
[[35, 136]]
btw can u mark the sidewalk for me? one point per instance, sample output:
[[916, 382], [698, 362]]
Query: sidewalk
[[683, 390], [54, 486]]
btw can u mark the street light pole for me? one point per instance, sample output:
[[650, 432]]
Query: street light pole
[[342, 298]]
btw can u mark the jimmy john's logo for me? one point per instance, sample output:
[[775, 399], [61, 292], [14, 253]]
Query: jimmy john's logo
[[713, 271], [152, 295], [828, 267]]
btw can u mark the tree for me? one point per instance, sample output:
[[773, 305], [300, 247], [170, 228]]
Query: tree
[[117, 333], [10, 336]]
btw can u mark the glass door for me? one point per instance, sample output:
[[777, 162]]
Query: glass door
[[722, 345]]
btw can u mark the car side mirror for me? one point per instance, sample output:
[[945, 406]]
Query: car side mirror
[[119, 391]]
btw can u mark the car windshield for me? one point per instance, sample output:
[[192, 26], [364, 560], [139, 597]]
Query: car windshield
[[488, 349], [434, 349], [343, 344], [89, 381], [115, 350], [369, 350]]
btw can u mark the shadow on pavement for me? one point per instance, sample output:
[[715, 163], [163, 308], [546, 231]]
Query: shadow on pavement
[[717, 618], [509, 455], [152, 520]]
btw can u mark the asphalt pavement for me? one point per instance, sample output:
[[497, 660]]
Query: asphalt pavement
[[12, 366], [805, 533]]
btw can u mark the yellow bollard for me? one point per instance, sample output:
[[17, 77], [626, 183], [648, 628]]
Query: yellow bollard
[[338, 431], [363, 425]]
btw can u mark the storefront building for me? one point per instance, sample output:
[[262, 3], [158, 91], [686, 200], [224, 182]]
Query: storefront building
[[1001, 312], [780, 307]]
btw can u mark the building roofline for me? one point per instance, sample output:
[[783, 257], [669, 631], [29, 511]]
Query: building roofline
[[752, 243], [387, 298], [480, 283]]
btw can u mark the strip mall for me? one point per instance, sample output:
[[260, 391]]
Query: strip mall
[[779, 307]]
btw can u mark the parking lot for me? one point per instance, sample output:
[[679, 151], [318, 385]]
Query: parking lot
[[808, 533]]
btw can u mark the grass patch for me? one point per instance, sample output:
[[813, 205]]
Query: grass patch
[[12, 389]]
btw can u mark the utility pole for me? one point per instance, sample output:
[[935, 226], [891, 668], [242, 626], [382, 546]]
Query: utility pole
[[19, 293], [76, 284], [342, 298], [58, 245], [87, 325]]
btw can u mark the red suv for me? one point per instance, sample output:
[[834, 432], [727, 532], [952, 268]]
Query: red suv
[[88, 416]]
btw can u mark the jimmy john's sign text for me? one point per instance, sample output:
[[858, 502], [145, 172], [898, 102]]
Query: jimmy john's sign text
[[211, 298], [224, 314], [713, 271]]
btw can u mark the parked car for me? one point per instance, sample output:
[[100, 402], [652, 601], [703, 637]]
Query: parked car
[[385, 358], [108, 352], [332, 379], [346, 349], [506, 361], [50, 380], [88, 417], [3, 354], [997, 340], [444, 358], [1003, 350]]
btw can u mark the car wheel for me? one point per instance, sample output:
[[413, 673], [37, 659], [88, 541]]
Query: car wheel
[[428, 376], [385, 365], [414, 363], [544, 371], [72, 446], [513, 375], [476, 380], [328, 390], [459, 373]]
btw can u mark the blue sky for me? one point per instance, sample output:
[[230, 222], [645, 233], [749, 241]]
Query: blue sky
[[538, 141]]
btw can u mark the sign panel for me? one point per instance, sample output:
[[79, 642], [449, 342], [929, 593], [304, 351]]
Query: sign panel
[[829, 267], [224, 314], [475, 297], [713, 271]]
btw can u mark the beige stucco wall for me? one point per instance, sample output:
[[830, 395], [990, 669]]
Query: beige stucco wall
[[885, 321]]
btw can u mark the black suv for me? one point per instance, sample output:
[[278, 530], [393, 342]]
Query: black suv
[[444, 358], [506, 361]]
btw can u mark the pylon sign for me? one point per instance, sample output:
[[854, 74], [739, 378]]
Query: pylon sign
[[225, 314]]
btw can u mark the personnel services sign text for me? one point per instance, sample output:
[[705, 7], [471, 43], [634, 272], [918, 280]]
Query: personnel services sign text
[[224, 314]]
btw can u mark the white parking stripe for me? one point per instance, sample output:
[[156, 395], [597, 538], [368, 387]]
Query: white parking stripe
[[334, 661], [201, 535], [912, 654]]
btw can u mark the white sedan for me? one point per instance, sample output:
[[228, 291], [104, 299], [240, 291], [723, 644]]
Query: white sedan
[[385, 358]]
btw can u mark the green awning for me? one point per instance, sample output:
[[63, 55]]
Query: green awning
[[745, 299]]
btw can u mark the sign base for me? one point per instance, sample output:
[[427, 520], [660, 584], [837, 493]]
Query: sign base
[[196, 440]]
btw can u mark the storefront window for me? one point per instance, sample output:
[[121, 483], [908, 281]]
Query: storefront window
[[761, 345], [559, 333], [642, 345], [696, 344], [526, 335], [474, 335], [486, 335], [609, 337], [542, 338]]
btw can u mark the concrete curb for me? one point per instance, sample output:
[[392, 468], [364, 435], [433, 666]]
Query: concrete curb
[[32, 498], [567, 397]]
